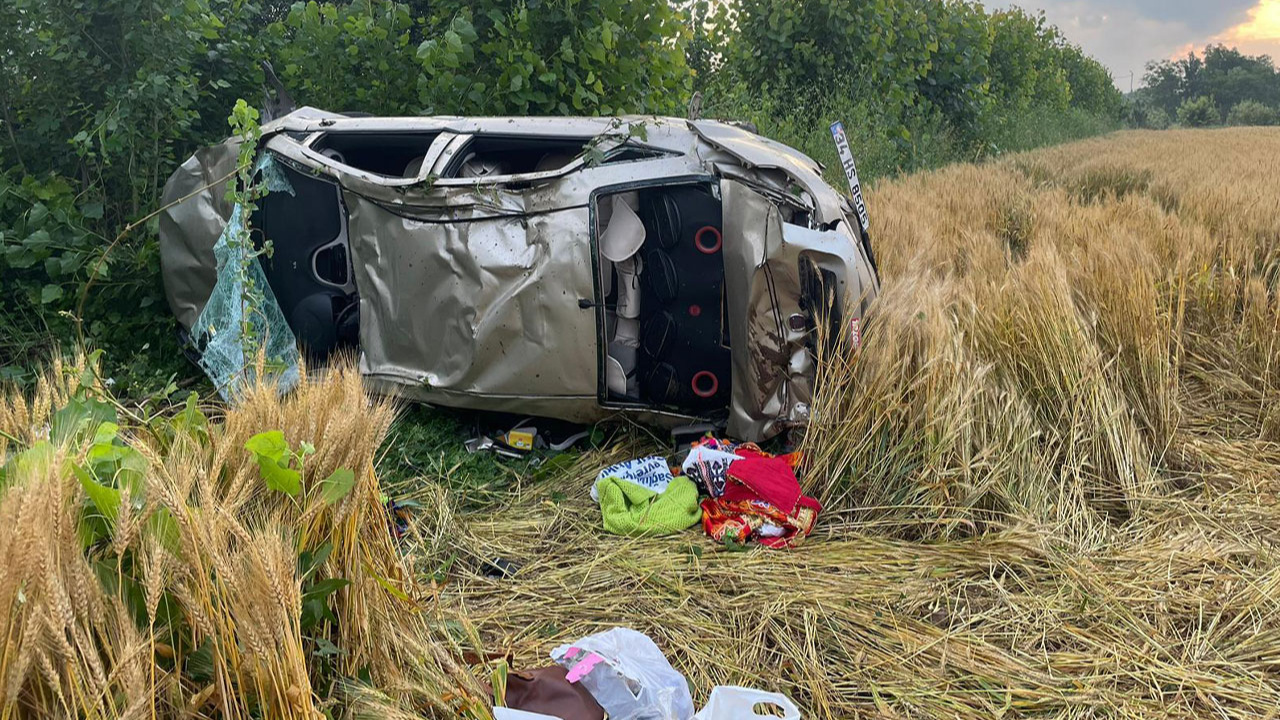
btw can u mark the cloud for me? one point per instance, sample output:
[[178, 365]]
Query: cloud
[[1259, 33], [1126, 34]]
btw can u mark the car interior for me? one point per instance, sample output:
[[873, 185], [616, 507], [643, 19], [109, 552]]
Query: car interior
[[393, 154], [496, 155], [667, 343], [662, 278], [309, 268]]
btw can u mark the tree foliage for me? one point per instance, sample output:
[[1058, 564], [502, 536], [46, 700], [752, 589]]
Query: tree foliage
[[1252, 112], [1226, 75], [1199, 112], [922, 57], [590, 57]]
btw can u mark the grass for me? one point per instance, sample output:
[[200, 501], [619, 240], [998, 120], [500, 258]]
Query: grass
[[1049, 474]]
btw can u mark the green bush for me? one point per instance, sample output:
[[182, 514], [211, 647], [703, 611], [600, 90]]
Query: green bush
[[1198, 112], [1156, 119], [1252, 112], [357, 56], [589, 57]]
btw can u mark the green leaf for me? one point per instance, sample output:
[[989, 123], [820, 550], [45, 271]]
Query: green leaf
[[164, 528], [280, 477], [272, 454], [386, 585], [105, 499], [324, 588], [270, 444], [200, 666], [336, 486], [326, 648], [310, 561], [192, 420], [37, 214], [50, 293], [34, 459], [91, 210], [77, 415]]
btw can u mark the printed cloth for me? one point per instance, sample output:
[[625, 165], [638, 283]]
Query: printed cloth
[[706, 466], [650, 472], [636, 511], [757, 477], [762, 501], [744, 520]]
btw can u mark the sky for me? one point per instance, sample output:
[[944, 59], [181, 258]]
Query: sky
[[1125, 34]]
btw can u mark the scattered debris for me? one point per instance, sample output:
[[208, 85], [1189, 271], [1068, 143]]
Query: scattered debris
[[751, 495], [628, 675], [622, 672]]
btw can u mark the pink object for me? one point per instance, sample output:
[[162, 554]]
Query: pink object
[[584, 666], [770, 479]]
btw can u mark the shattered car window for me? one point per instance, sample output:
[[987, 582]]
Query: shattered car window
[[227, 317]]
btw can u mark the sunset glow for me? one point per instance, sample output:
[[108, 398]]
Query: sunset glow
[[1260, 33]]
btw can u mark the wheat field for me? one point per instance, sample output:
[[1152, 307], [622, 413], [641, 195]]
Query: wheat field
[[1049, 476]]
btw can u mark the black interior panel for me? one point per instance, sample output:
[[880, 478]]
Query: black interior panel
[[384, 153], [302, 229], [684, 361]]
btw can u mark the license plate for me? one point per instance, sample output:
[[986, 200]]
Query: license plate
[[851, 172]]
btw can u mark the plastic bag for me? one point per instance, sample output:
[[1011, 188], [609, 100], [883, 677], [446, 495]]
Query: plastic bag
[[627, 674], [501, 713], [729, 702]]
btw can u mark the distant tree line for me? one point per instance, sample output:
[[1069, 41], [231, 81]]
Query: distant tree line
[[1220, 85]]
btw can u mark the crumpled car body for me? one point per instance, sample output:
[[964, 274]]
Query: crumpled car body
[[574, 268]]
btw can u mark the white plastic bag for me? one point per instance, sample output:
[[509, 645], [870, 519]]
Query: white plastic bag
[[729, 702], [627, 674], [501, 713]]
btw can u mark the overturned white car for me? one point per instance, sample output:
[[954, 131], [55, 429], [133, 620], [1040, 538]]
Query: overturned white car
[[567, 267]]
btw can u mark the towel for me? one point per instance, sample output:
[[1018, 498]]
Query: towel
[[630, 509]]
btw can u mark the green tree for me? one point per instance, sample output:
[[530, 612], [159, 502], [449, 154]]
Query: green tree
[[1199, 112], [350, 56], [591, 57], [1023, 67], [1252, 112], [1225, 74]]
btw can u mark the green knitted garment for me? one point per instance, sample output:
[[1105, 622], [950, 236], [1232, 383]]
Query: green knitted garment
[[630, 509]]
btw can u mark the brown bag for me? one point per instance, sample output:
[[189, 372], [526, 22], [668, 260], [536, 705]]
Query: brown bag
[[546, 691]]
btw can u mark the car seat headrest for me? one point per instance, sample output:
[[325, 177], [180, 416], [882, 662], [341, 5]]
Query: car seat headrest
[[553, 161], [625, 233], [414, 167]]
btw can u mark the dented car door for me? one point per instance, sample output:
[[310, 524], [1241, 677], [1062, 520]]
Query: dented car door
[[772, 316]]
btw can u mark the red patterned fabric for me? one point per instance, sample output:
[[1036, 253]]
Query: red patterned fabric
[[743, 520], [762, 501]]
